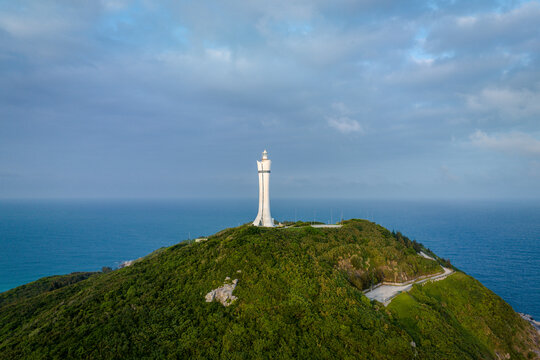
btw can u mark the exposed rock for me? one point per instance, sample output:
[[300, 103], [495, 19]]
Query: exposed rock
[[223, 294], [126, 263], [529, 318]]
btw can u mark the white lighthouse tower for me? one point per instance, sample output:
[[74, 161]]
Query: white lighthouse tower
[[263, 217]]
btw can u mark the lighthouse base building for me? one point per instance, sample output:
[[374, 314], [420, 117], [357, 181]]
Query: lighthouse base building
[[264, 218]]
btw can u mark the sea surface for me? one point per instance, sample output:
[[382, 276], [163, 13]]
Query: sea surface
[[496, 242]]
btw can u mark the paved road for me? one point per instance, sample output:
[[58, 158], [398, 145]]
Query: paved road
[[385, 293], [325, 226]]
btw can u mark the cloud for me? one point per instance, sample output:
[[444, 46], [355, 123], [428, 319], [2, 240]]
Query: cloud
[[509, 103], [342, 121], [137, 86], [219, 54], [534, 169], [512, 142], [345, 125], [22, 27], [114, 5], [341, 108], [492, 30], [447, 175]]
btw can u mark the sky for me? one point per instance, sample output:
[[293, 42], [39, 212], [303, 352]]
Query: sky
[[352, 99]]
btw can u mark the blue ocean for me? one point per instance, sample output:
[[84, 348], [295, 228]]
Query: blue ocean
[[496, 242]]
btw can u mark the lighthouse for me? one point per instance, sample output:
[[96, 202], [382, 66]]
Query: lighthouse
[[263, 217]]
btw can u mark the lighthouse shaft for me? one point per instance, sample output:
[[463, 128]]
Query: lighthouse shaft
[[264, 218]]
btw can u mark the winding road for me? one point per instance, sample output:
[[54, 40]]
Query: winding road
[[385, 292]]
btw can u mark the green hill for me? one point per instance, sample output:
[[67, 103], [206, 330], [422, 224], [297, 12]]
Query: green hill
[[299, 295]]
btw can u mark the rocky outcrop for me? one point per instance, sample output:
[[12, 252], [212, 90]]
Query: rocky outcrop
[[223, 294], [126, 263], [529, 318]]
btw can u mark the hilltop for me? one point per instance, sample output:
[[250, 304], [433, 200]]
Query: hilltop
[[297, 292]]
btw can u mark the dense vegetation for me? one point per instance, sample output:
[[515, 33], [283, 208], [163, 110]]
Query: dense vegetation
[[45, 284], [460, 311], [299, 296]]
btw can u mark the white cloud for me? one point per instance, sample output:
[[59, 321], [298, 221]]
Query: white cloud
[[447, 175], [114, 5], [466, 20], [25, 27], [512, 142], [205, 72], [510, 103], [514, 29], [422, 61], [219, 54], [340, 107], [534, 169], [342, 122], [345, 124]]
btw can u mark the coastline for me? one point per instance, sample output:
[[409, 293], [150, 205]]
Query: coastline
[[530, 319]]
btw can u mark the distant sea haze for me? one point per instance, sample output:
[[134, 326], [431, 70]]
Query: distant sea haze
[[496, 242]]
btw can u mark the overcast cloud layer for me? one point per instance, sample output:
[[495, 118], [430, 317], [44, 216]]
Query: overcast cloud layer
[[389, 99]]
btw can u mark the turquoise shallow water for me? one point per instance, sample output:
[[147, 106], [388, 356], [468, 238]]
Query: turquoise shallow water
[[496, 242]]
